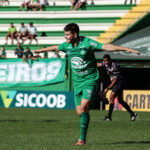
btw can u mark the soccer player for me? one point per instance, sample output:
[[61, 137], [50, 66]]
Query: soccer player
[[80, 51], [113, 70]]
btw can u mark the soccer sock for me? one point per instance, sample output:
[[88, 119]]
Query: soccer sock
[[85, 118], [126, 106], [111, 108]]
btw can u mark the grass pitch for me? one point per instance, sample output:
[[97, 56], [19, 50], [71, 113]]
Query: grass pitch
[[44, 129]]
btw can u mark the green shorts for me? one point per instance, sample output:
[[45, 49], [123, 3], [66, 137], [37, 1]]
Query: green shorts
[[86, 93]]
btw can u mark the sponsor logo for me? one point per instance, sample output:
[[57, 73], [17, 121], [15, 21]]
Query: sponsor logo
[[138, 100], [7, 97], [78, 63], [40, 100], [23, 73], [93, 44]]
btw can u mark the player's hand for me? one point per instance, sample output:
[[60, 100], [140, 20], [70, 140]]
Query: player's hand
[[133, 51], [36, 51], [106, 90]]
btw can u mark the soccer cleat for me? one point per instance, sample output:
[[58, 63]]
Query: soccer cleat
[[80, 142], [107, 118], [134, 117]]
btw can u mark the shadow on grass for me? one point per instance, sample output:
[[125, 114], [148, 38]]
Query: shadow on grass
[[132, 142], [15, 120]]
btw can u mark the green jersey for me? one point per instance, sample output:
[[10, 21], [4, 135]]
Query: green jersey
[[83, 62], [11, 30]]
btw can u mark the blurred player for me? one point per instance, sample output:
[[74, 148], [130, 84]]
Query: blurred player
[[116, 85], [80, 51]]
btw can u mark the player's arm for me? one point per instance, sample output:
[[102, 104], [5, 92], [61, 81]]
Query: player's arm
[[112, 47], [111, 85], [51, 48]]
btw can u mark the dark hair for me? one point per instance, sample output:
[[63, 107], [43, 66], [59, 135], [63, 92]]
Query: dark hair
[[22, 23], [73, 27], [31, 23], [107, 56]]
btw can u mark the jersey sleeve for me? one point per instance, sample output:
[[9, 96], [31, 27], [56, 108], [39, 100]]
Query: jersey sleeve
[[62, 47], [94, 45]]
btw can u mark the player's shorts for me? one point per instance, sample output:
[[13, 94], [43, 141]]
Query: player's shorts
[[118, 87], [86, 93], [75, 2]]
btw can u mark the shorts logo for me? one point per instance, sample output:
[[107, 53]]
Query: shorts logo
[[7, 97], [89, 92]]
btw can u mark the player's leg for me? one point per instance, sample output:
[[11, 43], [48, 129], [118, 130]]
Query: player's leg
[[126, 106], [125, 2], [7, 35], [35, 37], [83, 111], [12, 38], [111, 106], [77, 99]]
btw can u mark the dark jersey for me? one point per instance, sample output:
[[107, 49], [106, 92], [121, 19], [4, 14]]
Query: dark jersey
[[113, 70]]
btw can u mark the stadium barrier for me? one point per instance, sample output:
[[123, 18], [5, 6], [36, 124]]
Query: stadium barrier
[[33, 73], [36, 99], [138, 100]]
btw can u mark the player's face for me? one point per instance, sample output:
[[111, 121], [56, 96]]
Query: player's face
[[69, 37], [27, 50], [106, 62]]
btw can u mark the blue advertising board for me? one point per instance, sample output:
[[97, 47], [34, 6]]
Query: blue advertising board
[[37, 99]]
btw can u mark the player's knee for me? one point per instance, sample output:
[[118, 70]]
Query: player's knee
[[79, 113], [85, 107], [111, 100]]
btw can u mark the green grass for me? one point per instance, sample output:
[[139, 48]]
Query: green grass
[[44, 129]]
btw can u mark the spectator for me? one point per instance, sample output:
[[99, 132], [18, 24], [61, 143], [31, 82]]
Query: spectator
[[42, 4], [19, 51], [27, 55], [23, 33], [130, 1], [3, 53], [32, 33], [12, 33], [92, 2], [3, 2], [26, 4], [74, 3], [34, 5], [81, 4]]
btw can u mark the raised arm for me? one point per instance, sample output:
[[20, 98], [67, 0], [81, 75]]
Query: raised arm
[[51, 48], [112, 47]]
